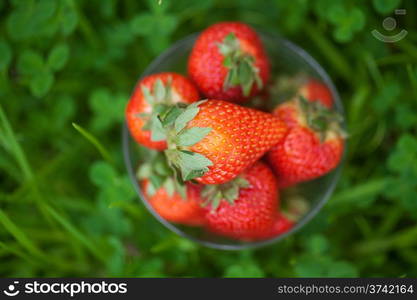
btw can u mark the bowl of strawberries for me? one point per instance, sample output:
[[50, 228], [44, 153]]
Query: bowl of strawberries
[[234, 138]]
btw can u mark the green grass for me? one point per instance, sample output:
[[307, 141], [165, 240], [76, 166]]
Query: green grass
[[67, 207]]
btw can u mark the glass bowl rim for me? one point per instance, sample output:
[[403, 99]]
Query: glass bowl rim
[[126, 140]]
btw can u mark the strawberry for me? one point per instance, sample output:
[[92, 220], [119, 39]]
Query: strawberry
[[280, 225], [246, 207], [174, 208], [315, 90], [173, 202], [213, 141], [290, 87], [313, 145], [153, 94], [229, 62]]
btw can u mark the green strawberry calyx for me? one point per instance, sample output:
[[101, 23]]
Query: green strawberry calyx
[[284, 87], [320, 118], [215, 193], [241, 65], [160, 175], [160, 100], [186, 164]]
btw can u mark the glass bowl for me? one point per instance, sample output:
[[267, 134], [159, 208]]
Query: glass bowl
[[289, 59]]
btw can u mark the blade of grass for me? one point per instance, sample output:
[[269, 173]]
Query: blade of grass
[[77, 234], [391, 218], [373, 70], [85, 27], [403, 239], [42, 174], [364, 226], [377, 139], [9, 166], [356, 104], [45, 209], [93, 140], [15, 148], [330, 51], [132, 209], [407, 47], [20, 157], [55, 261], [10, 249], [396, 59], [412, 75], [358, 192], [20, 236]]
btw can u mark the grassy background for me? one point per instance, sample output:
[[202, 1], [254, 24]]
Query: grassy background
[[68, 210]]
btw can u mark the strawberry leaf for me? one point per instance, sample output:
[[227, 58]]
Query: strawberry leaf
[[148, 96], [160, 93], [241, 68], [217, 198], [213, 194], [244, 73], [159, 174], [156, 181], [159, 90], [157, 130], [187, 115], [224, 49], [208, 191], [234, 77], [242, 182], [153, 122], [160, 108], [150, 189], [258, 79], [191, 136], [230, 39], [231, 194], [169, 186], [192, 164], [180, 188], [320, 118], [144, 171], [319, 124], [184, 118], [187, 165], [160, 166], [229, 45], [246, 87], [228, 62], [171, 115], [195, 174]]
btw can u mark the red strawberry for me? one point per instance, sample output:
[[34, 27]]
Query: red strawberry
[[213, 141], [229, 62], [313, 145], [245, 208], [175, 208], [281, 225], [291, 87], [153, 94], [315, 90], [173, 202]]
